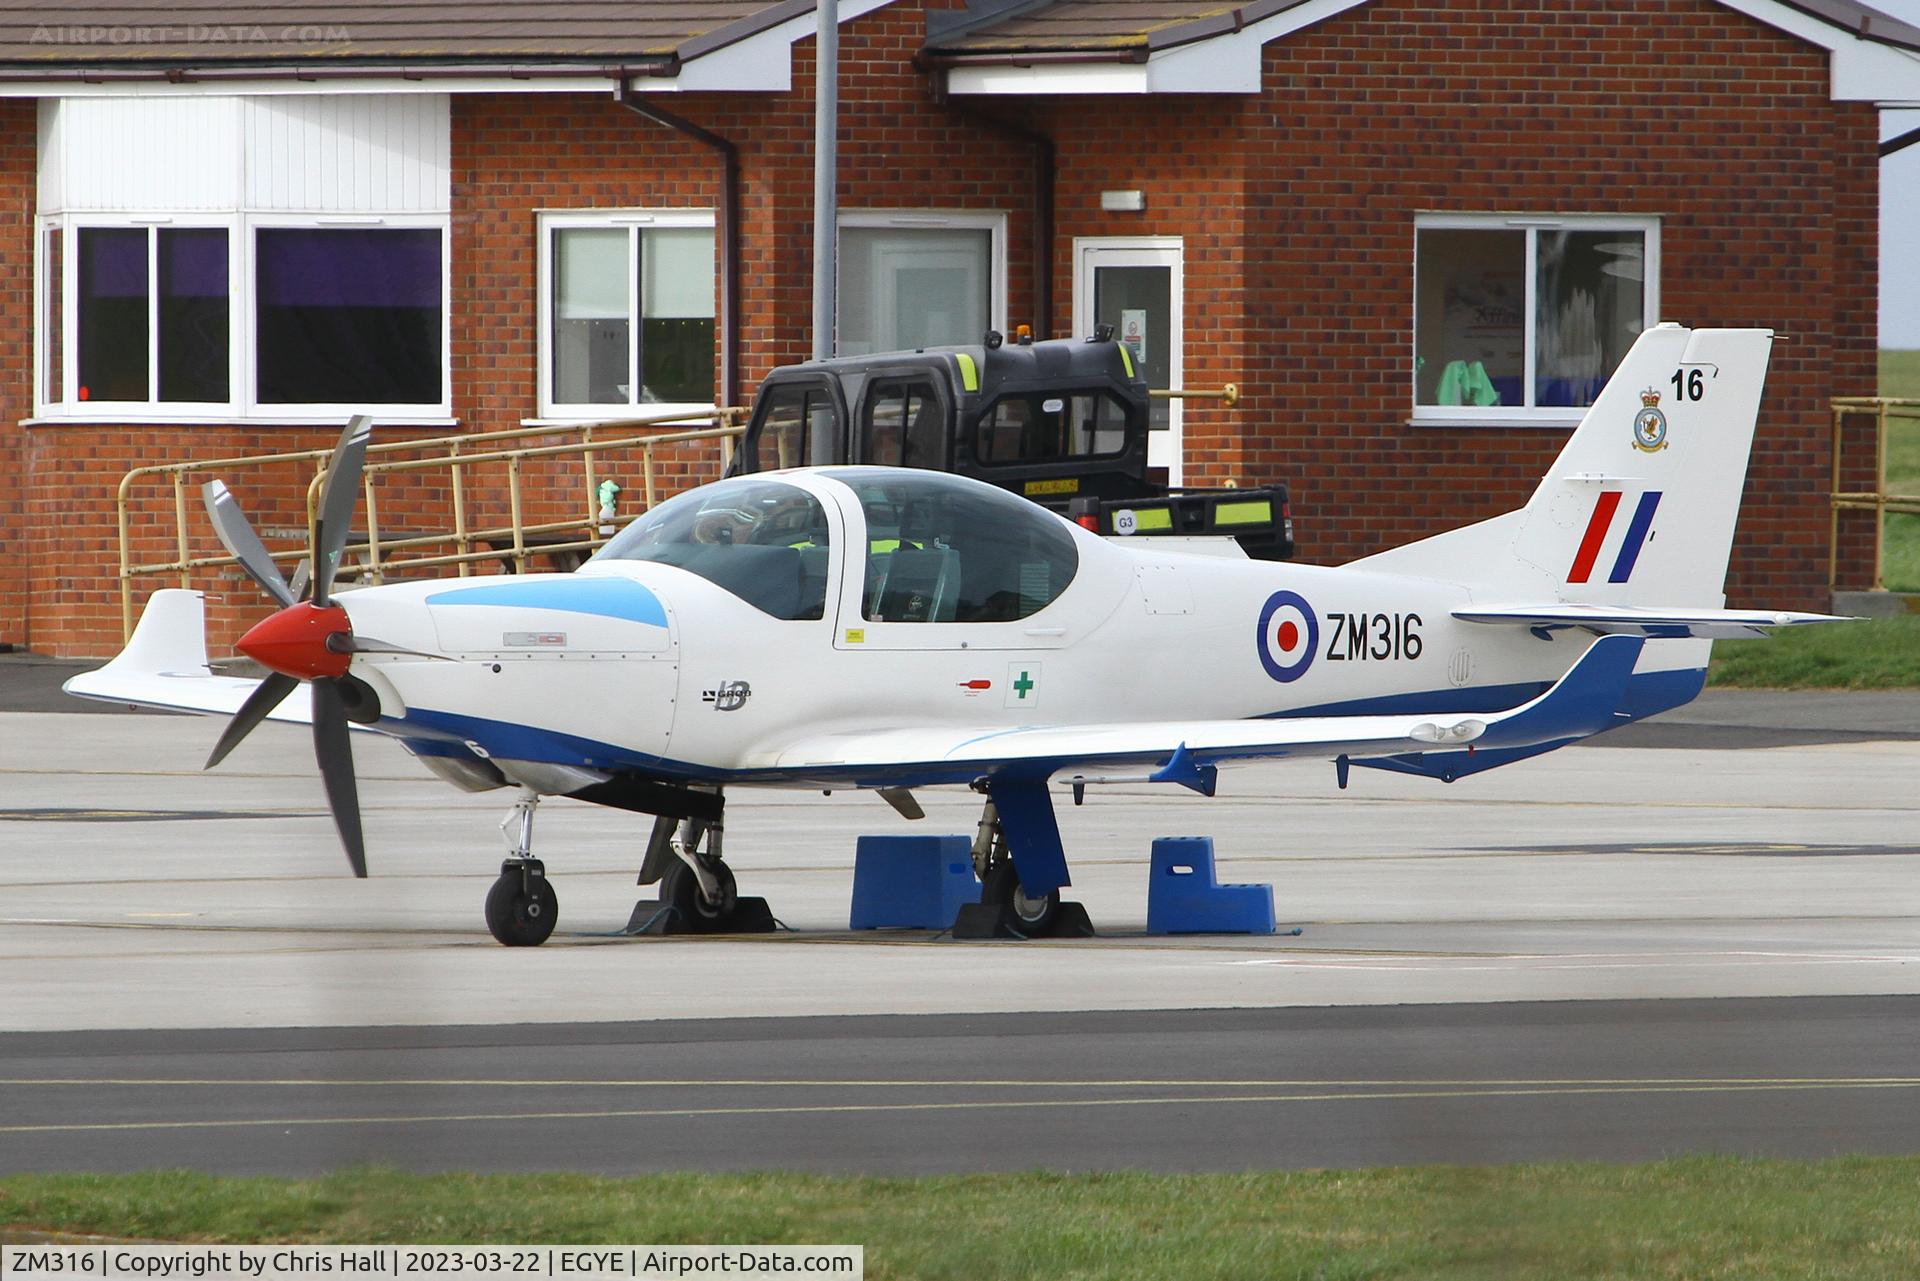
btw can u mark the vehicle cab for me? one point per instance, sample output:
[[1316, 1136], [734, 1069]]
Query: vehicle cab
[[1050, 421]]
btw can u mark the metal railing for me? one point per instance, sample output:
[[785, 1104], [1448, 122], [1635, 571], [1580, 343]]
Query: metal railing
[[1888, 412], [459, 456]]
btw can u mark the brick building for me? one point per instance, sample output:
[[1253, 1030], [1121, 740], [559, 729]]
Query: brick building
[[1417, 233]]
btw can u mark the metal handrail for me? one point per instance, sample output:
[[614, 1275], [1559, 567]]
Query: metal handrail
[[457, 455], [1877, 500]]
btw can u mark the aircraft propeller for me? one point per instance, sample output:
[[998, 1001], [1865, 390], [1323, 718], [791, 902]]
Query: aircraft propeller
[[308, 640]]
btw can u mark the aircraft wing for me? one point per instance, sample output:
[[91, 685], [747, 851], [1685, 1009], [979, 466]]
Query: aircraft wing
[[165, 666], [1653, 622], [1584, 701]]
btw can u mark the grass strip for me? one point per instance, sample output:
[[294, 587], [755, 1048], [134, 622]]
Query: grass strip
[[1900, 568], [1874, 653], [1691, 1217]]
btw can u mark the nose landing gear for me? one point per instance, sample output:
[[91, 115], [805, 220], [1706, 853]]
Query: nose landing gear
[[522, 908]]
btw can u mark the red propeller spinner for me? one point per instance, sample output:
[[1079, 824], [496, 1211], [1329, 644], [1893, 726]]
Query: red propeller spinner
[[294, 640]]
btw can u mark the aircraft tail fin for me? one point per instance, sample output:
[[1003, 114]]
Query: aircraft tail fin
[[1639, 508]]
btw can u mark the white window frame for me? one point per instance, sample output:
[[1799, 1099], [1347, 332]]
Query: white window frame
[[1526, 415], [60, 403], [633, 221], [990, 221]]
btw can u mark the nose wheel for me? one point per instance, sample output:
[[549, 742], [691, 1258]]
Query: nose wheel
[[521, 906]]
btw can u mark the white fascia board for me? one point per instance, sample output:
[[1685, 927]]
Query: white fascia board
[[762, 62], [1862, 70], [227, 87], [1228, 63]]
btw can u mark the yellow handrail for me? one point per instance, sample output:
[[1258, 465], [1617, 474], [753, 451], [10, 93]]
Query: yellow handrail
[[455, 454], [1885, 410]]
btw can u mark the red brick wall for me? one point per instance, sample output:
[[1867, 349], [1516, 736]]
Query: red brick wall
[[17, 199], [1765, 191], [1296, 210]]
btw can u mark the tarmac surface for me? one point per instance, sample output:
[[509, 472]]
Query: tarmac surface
[[1534, 962]]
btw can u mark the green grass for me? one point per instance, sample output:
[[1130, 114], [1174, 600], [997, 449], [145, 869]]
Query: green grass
[[1900, 376], [1875, 653], [1695, 1217]]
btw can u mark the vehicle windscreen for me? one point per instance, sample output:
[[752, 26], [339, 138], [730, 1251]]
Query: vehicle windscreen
[[1034, 427], [764, 541], [944, 550]]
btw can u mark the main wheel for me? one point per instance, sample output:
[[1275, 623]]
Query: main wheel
[[522, 909], [1032, 916], [680, 889]]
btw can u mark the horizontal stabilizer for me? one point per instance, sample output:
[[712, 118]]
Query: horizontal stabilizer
[[165, 666], [1652, 622]]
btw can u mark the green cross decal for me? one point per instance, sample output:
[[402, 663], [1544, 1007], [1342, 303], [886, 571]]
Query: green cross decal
[[1023, 685]]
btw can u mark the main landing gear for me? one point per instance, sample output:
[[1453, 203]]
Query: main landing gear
[[698, 894], [521, 906], [1006, 908]]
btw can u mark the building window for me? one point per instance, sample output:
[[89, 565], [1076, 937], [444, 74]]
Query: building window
[[626, 292], [280, 257], [1525, 319], [150, 312], [347, 316], [919, 279]]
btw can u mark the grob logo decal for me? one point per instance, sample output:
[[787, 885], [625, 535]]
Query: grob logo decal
[[1289, 636]]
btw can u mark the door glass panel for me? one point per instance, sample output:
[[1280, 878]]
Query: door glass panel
[[1138, 303]]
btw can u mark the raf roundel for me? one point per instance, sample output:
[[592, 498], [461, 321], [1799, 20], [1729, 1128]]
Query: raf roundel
[[1289, 636]]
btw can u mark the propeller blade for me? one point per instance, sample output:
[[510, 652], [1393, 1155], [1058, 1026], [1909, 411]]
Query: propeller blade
[[263, 700], [337, 503], [237, 536], [298, 583], [334, 753]]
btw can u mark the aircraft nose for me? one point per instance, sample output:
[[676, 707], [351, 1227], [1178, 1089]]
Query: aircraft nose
[[295, 641]]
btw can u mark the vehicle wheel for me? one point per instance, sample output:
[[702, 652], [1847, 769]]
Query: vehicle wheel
[[1031, 916], [680, 889], [518, 918]]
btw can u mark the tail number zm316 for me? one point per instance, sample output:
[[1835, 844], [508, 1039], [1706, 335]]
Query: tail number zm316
[[1379, 637]]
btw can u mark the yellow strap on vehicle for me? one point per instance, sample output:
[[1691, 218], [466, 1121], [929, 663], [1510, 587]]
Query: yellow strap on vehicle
[[1252, 512], [1126, 358], [1152, 517], [969, 372]]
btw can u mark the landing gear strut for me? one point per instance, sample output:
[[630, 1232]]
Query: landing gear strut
[[1005, 909], [698, 894], [521, 906]]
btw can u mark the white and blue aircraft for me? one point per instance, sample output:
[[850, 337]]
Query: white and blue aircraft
[[871, 627]]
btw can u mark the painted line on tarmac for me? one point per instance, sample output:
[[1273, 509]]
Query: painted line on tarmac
[[1300, 1083], [983, 1105]]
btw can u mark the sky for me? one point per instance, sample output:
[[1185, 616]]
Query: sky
[[1900, 217]]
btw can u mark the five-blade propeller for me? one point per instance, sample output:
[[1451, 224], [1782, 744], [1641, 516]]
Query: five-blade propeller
[[307, 640]]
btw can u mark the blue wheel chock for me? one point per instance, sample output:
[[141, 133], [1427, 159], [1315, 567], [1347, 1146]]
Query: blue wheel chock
[[1184, 898], [911, 882]]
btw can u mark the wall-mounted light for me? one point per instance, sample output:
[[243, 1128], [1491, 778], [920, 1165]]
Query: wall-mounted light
[[1123, 201]]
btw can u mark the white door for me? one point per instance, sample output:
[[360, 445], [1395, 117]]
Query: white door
[[1133, 284]]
